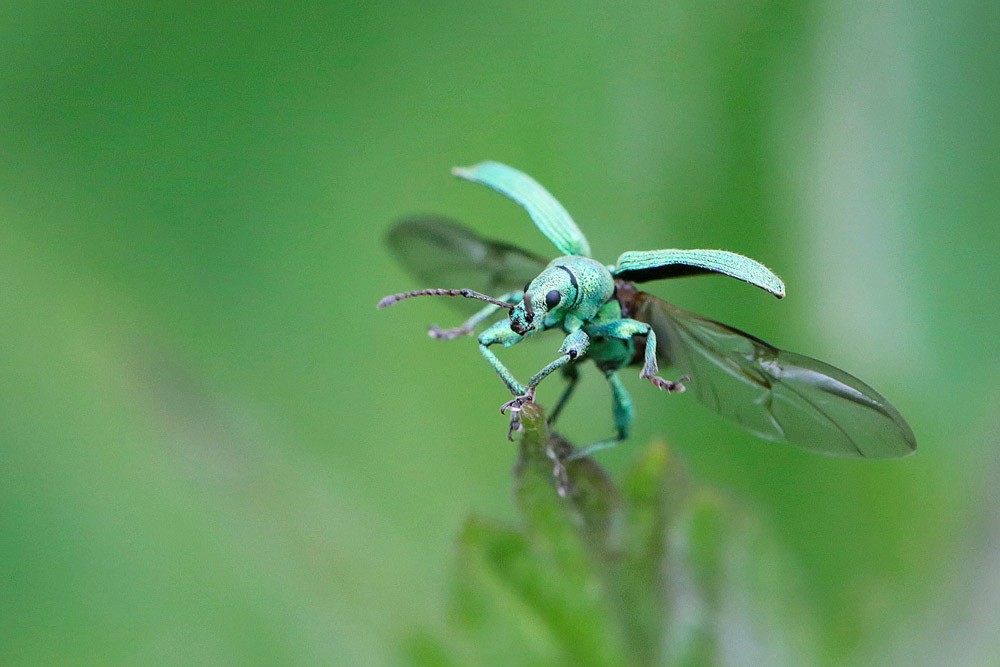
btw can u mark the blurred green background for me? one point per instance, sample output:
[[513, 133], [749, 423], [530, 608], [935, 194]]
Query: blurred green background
[[213, 449]]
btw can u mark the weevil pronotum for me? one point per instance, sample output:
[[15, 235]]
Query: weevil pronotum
[[774, 394]]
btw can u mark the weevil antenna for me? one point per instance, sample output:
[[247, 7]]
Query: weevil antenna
[[467, 293]]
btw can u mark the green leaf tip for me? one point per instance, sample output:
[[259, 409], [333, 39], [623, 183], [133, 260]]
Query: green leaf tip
[[574, 498], [656, 570], [549, 457], [533, 420]]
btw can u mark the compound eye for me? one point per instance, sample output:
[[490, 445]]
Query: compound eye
[[552, 299], [526, 286]]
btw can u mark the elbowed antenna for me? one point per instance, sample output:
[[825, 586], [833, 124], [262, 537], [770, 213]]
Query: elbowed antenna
[[467, 293]]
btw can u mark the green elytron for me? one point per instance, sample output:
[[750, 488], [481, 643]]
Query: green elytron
[[774, 394]]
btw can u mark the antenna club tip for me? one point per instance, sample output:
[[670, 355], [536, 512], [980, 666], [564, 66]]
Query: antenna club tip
[[386, 302]]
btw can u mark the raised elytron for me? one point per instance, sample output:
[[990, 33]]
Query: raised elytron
[[774, 394]]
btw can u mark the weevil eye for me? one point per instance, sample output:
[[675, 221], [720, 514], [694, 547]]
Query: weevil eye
[[526, 286], [552, 299]]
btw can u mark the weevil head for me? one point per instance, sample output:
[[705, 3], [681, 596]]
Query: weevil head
[[569, 285], [546, 299]]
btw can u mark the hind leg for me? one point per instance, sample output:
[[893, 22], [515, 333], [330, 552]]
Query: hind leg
[[624, 413], [572, 376]]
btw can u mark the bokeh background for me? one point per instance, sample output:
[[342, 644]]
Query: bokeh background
[[214, 450]]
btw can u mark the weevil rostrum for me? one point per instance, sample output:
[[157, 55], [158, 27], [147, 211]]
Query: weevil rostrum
[[777, 395]]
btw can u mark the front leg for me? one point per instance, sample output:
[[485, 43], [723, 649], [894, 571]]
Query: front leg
[[470, 324], [502, 333], [574, 346]]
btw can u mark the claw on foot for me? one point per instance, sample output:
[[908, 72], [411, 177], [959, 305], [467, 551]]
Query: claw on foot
[[514, 408], [676, 386], [438, 333]]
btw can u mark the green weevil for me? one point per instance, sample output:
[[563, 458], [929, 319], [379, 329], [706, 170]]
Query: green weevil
[[774, 394]]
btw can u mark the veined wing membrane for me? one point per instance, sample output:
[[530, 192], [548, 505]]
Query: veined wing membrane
[[442, 253], [776, 395]]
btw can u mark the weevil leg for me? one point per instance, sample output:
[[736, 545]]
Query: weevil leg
[[514, 408], [622, 407], [468, 327], [650, 368], [624, 414], [572, 376], [502, 333], [625, 329], [573, 347], [592, 449]]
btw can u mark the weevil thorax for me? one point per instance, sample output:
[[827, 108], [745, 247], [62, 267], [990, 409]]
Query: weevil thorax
[[569, 286]]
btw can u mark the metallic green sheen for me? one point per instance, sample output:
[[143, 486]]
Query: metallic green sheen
[[548, 214], [774, 394], [654, 264]]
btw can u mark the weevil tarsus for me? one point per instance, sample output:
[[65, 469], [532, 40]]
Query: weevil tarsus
[[626, 329], [437, 333], [514, 407]]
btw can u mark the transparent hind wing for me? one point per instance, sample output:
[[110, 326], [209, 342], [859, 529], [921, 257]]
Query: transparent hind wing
[[777, 395], [439, 252]]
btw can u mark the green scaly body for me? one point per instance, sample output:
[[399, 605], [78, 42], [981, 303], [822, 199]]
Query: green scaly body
[[775, 394]]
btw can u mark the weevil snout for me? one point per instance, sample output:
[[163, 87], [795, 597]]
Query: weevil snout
[[522, 318]]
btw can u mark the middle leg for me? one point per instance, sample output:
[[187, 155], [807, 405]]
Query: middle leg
[[627, 328], [572, 375]]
